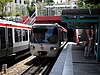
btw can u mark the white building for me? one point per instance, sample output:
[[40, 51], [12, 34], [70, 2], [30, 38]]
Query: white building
[[17, 6]]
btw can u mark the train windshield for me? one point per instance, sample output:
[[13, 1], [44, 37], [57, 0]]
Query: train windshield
[[44, 35]]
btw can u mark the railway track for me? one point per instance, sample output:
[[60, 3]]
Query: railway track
[[43, 67], [19, 67], [30, 66]]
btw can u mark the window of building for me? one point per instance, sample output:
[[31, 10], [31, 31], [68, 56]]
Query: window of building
[[20, 1], [24, 2], [15, 1]]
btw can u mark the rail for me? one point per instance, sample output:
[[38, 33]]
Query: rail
[[41, 68]]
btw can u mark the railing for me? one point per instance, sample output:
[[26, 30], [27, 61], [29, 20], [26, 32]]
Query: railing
[[51, 10], [32, 18]]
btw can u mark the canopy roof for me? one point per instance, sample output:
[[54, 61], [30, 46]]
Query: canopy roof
[[81, 12]]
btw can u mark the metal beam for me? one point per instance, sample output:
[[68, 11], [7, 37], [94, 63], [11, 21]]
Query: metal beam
[[78, 18], [98, 46]]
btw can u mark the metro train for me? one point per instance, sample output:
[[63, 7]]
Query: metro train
[[14, 39], [47, 39]]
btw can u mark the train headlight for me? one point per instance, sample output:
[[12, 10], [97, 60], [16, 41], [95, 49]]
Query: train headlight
[[53, 48], [32, 47]]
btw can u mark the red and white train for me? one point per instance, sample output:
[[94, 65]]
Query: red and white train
[[47, 39], [14, 39]]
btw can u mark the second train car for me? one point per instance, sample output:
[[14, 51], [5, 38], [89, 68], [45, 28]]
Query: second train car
[[47, 39], [14, 40]]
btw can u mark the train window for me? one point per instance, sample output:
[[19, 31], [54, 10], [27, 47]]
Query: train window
[[44, 35], [30, 32], [25, 35], [18, 35], [64, 36], [2, 38]]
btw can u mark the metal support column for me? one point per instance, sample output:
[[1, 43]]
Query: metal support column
[[98, 46]]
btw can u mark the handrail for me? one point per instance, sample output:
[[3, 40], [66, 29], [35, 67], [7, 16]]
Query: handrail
[[29, 17], [33, 20]]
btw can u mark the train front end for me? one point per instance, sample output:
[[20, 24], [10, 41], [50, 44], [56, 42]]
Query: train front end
[[44, 41]]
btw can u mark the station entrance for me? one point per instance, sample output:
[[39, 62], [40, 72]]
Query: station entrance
[[89, 21]]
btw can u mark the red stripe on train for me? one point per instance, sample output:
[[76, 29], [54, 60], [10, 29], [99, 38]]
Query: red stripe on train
[[10, 25]]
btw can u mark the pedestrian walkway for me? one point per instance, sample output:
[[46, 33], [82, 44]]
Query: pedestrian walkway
[[82, 65], [71, 61]]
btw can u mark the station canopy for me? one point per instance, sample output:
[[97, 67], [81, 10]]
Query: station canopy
[[84, 18], [81, 12], [81, 18]]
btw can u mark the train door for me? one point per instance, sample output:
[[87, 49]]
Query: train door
[[2, 42], [70, 35], [5, 47], [10, 41]]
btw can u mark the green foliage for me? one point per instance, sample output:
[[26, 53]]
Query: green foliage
[[80, 4], [38, 1], [3, 3], [18, 13], [27, 2], [88, 4], [92, 1], [9, 0], [48, 1], [30, 8], [7, 13]]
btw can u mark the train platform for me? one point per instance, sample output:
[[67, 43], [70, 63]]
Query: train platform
[[71, 61]]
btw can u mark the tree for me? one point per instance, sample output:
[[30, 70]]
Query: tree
[[3, 3], [30, 8], [38, 1], [92, 1], [48, 1], [27, 2], [89, 3]]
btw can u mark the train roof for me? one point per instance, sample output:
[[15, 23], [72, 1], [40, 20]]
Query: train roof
[[54, 24], [14, 23], [45, 24], [92, 11]]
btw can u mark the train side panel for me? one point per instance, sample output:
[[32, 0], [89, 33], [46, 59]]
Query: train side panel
[[11, 43]]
